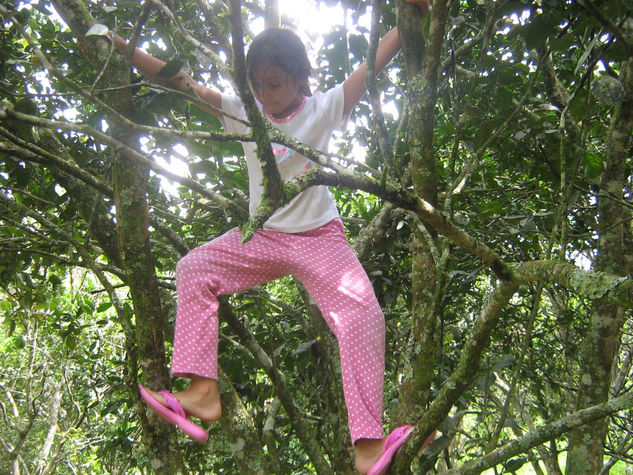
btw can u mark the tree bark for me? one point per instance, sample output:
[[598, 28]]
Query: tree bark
[[603, 336], [422, 66], [132, 215], [239, 428]]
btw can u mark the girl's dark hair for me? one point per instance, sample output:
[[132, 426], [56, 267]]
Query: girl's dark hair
[[282, 48]]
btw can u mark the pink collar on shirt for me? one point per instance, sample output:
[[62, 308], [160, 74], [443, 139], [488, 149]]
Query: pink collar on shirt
[[291, 116]]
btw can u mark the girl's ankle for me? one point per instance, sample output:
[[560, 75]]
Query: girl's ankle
[[203, 386]]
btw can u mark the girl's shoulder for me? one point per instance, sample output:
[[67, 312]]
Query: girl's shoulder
[[328, 98], [232, 107], [326, 107], [321, 94]]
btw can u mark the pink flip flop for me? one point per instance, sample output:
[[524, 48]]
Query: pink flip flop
[[394, 441], [396, 434], [174, 414]]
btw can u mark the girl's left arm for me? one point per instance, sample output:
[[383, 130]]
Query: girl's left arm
[[354, 86]]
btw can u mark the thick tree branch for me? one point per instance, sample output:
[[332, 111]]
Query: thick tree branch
[[591, 285], [428, 213], [239, 427], [273, 196]]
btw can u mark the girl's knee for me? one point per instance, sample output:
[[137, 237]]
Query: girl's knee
[[183, 264], [189, 264]]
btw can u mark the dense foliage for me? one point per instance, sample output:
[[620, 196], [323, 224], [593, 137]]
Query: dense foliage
[[497, 178]]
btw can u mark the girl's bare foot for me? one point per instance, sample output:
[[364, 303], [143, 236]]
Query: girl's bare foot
[[201, 399], [368, 451]]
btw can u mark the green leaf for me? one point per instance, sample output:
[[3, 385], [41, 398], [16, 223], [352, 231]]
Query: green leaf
[[595, 164], [585, 55], [515, 464], [303, 347], [70, 342], [104, 306]]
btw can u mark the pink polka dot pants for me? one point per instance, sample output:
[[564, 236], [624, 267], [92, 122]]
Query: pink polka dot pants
[[325, 263]]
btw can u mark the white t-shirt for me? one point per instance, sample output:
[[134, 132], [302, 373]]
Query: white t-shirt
[[313, 124]]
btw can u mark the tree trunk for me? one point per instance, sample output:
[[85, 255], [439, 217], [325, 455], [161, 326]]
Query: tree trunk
[[422, 93], [239, 428], [603, 336], [132, 216]]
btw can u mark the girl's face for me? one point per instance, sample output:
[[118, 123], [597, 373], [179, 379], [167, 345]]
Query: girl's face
[[277, 90]]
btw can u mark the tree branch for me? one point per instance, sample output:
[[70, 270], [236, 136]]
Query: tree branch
[[281, 387], [273, 196], [543, 434], [459, 380], [7, 111], [32, 153], [380, 129], [591, 285], [239, 428]]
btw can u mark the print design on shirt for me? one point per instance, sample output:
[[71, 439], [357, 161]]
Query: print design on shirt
[[283, 154]]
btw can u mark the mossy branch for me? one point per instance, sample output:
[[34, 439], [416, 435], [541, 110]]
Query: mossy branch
[[588, 284], [273, 196], [461, 377]]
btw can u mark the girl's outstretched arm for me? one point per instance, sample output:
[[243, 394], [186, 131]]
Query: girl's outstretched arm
[[151, 66], [354, 86]]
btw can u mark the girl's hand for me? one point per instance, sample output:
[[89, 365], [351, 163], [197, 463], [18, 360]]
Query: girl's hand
[[423, 5]]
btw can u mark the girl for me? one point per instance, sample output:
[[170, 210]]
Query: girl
[[304, 238]]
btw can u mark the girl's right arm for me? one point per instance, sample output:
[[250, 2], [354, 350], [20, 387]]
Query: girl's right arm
[[151, 66]]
